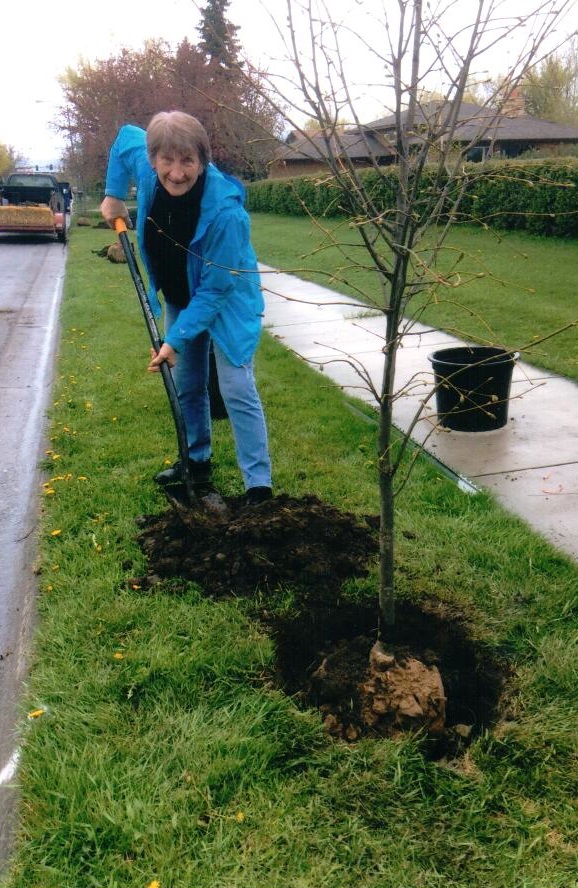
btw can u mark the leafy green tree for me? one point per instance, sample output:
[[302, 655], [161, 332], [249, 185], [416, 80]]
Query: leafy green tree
[[7, 159], [551, 90]]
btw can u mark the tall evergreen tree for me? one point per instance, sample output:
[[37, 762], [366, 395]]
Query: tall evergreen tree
[[242, 127], [218, 36]]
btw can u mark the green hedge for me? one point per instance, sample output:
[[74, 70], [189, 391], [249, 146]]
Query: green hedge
[[538, 196]]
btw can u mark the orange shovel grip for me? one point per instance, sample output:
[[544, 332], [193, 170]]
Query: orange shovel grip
[[119, 225]]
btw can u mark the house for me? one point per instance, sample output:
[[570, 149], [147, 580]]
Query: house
[[481, 131], [305, 154]]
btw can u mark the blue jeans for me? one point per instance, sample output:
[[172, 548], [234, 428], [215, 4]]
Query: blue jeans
[[239, 391]]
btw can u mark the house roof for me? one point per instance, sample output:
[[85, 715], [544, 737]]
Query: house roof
[[477, 122], [524, 129], [476, 125], [356, 145]]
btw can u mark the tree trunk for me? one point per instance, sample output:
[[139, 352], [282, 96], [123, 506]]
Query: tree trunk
[[386, 476]]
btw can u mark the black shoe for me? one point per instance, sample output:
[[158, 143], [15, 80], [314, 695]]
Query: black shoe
[[256, 495], [172, 475], [200, 476]]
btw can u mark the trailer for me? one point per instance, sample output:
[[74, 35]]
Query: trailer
[[33, 203]]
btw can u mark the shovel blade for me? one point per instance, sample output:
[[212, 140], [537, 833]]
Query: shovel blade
[[178, 496], [212, 504]]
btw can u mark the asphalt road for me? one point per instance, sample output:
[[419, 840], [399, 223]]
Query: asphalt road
[[31, 278]]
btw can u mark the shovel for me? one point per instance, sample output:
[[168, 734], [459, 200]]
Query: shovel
[[182, 495]]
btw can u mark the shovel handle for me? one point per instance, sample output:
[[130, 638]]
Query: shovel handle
[[156, 341]]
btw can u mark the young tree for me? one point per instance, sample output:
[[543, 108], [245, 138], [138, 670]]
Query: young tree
[[417, 49]]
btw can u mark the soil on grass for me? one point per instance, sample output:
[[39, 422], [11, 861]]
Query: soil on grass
[[429, 674]]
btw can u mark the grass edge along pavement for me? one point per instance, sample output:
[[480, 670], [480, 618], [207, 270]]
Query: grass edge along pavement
[[162, 751], [510, 289]]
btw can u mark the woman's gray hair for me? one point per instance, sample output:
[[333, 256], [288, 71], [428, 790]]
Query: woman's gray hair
[[176, 131]]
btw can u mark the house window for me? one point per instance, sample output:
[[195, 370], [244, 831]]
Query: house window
[[476, 155]]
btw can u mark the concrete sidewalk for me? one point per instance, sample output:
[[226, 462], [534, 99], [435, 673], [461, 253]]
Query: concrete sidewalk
[[530, 465]]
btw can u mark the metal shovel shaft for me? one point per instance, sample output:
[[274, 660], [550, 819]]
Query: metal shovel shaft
[[156, 341]]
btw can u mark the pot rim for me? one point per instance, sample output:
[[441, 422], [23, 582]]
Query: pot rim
[[481, 355]]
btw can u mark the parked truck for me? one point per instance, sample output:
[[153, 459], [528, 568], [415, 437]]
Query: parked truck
[[34, 203]]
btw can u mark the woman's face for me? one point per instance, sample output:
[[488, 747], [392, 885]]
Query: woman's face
[[177, 173]]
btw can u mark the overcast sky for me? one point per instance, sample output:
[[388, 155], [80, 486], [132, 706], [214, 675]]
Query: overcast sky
[[40, 40], [37, 47]]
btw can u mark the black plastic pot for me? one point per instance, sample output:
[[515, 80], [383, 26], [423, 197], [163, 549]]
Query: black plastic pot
[[217, 405], [473, 386]]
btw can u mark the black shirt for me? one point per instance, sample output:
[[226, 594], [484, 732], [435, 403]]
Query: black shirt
[[169, 229]]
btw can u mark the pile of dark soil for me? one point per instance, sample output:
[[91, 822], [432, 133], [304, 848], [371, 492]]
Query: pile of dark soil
[[429, 674], [303, 543]]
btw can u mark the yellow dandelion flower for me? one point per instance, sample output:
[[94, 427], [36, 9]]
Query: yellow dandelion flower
[[55, 533], [240, 817], [36, 713], [154, 884], [118, 655]]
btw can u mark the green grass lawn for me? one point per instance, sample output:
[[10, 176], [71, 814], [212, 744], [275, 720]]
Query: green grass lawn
[[514, 288], [164, 754]]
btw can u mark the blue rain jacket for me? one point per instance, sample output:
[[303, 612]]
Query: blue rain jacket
[[224, 283]]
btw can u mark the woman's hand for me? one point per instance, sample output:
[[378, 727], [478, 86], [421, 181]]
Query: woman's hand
[[165, 353], [112, 208]]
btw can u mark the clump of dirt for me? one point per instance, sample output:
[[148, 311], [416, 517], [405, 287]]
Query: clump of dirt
[[113, 252], [428, 674], [403, 693], [394, 693]]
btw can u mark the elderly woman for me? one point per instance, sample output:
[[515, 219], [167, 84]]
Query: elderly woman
[[194, 237]]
